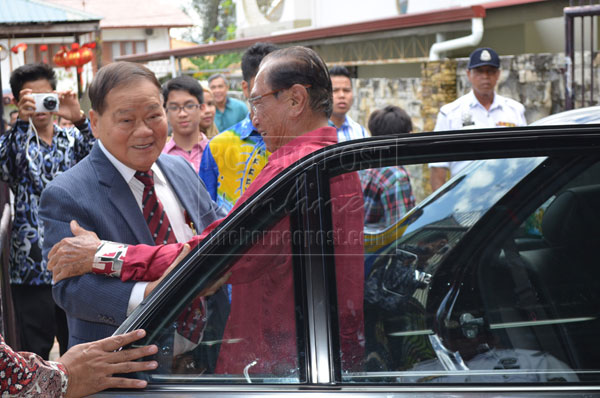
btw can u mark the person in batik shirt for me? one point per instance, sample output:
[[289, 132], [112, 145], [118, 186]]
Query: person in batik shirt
[[83, 370], [32, 154]]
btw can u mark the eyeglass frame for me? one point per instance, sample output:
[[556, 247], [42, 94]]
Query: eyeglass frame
[[252, 100], [176, 108]]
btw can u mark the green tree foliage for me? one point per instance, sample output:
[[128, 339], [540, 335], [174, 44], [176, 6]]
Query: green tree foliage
[[218, 24], [218, 19], [215, 63]]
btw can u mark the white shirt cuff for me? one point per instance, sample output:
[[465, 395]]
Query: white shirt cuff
[[137, 295]]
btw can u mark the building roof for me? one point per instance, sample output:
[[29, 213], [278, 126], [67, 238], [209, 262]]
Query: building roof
[[131, 13], [33, 18], [32, 11]]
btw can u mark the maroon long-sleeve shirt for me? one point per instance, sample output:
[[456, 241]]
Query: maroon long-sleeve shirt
[[261, 324]]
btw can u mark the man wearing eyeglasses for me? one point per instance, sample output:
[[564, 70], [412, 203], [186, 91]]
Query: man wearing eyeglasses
[[125, 190], [184, 103]]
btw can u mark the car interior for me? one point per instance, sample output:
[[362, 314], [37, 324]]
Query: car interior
[[542, 293], [546, 299], [526, 306]]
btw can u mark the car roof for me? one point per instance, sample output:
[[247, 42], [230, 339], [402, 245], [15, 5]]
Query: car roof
[[589, 115]]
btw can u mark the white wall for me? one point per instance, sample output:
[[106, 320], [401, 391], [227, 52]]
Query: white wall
[[158, 40], [340, 12], [431, 5], [323, 13]]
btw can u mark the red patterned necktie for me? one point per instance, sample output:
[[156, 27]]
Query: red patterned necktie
[[154, 212], [192, 321]]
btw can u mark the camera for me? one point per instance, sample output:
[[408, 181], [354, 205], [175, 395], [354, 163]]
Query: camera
[[46, 102]]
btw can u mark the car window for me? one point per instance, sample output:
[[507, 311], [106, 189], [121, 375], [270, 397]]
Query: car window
[[246, 331], [491, 279]]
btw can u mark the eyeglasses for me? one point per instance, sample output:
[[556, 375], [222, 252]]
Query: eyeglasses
[[187, 108], [253, 100]]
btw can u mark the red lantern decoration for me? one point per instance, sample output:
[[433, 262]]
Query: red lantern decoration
[[91, 44], [44, 47], [72, 57], [86, 55], [79, 58], [19, 47], [60, 58]]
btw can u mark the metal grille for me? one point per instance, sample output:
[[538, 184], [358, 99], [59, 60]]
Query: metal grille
[[582, 13]]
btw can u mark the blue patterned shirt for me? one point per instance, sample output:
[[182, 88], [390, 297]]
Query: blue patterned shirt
[[231, 161], [350, 130], [28, 166]]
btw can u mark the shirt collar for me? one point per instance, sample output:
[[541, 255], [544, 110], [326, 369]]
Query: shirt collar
[[169, 145], [346, 123], [59, 131], [202, 142], [324, 135], [473, 101], [127, 172], [246, 127]]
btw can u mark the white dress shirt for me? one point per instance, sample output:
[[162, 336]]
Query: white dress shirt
[[467, 113]]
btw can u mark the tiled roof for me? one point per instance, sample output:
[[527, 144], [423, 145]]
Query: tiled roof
[[131, 13], [32, 11]]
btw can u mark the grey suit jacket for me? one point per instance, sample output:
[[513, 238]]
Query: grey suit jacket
[[95, 194]]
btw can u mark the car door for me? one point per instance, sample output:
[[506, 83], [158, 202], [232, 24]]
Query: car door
[[464, 292]]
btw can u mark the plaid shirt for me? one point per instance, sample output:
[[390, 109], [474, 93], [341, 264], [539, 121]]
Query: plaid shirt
[[387, 194]]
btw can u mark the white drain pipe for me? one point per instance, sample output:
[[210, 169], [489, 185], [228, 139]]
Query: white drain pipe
[[467, 41]]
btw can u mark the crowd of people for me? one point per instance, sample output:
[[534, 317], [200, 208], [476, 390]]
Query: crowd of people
[[110, 194]]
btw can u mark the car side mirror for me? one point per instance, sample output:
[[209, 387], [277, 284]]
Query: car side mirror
[[402, 277]]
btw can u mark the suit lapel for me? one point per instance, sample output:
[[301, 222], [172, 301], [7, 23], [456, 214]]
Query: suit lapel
[[120, 195]]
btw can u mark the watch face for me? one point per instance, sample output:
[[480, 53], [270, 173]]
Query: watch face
[[271, 9]]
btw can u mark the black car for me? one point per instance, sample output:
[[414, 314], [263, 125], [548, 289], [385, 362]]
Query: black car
[[489, 287]]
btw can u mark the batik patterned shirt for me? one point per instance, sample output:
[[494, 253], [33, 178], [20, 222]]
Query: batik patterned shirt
[[26, 375], [28, 164], [387, 193], [231, 161]]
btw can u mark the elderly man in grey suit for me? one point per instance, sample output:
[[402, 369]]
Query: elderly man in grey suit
[[124, 191]]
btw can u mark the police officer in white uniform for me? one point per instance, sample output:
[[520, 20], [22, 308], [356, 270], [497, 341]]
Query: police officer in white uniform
[[480, 108]]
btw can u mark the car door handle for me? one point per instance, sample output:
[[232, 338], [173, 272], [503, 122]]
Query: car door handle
[[470, 325]]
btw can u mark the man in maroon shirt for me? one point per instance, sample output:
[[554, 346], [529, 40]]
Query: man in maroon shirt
[[291, 102]]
